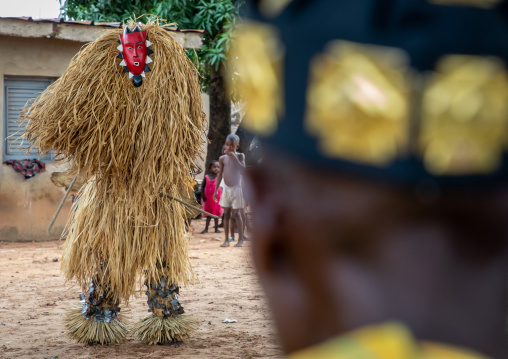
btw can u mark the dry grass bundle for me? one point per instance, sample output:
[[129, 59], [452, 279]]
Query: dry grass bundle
[[187, 195], [138, 139], [88, 331], [64, 180], [154, 330], [135, 144], [120, 239]]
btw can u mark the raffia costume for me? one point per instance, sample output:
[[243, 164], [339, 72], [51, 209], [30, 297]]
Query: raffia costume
[[128, 117]]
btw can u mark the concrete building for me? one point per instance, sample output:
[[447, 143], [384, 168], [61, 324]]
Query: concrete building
[[34, 53]]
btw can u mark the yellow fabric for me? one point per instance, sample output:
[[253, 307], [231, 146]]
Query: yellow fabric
[[387, 341], [438, 351], [272, 8]]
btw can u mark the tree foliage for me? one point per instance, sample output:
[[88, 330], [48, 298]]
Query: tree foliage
[[216, 17]]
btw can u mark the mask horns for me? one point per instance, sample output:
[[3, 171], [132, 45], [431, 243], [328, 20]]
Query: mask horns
[[127, 30], [137, 29]]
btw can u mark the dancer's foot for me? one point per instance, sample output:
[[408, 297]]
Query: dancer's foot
[[217, 230], [240, 243], [204, 231], [232, 238], [245, 238], [221, 225], [225, 244]]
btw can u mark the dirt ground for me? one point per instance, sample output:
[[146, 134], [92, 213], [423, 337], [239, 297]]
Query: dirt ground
[[34, 298]]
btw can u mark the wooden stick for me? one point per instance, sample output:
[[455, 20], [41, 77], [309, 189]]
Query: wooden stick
[[193, 207], [61, 203]]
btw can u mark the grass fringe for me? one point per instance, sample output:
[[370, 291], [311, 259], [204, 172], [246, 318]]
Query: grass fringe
[[154, 330], [118, 241], [89, 332]]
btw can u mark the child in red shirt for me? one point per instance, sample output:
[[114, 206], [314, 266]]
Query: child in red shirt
[[207, 191]]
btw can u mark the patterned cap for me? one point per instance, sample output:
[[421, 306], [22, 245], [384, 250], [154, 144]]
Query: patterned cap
[[403, 90]]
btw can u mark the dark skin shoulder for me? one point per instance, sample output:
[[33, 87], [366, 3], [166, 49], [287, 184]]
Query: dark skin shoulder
[[357, 253]]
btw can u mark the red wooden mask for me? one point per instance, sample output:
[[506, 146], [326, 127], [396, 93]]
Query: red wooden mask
[[134, 53]]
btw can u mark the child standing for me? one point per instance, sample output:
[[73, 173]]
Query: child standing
[[208, 188], [232, 167]]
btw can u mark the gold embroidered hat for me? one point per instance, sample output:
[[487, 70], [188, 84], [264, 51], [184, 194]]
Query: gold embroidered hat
[[394, 89]]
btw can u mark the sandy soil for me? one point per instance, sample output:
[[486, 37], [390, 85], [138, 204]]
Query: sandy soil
[[34, 298]]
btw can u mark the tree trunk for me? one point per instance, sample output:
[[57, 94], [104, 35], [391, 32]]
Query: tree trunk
[[220, 114]]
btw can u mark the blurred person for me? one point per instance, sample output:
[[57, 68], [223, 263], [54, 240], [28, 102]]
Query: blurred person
[[232, 167], [380, 206], [221, 184], [246, 225], [350, 259]]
